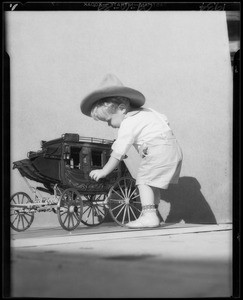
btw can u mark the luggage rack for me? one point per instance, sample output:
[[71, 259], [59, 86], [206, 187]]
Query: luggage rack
[[95, 140]]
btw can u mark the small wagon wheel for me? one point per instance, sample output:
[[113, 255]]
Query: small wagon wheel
[[20, 217], [94, 209], [124, 201], [70, 209]]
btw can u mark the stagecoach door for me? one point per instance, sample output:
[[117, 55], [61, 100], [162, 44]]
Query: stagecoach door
[[80, 160]]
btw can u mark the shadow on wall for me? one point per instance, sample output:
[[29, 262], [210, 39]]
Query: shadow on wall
[[187, 202]]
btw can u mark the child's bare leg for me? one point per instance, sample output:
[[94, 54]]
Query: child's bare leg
[[146, 194], [149, 195], [148, 217]]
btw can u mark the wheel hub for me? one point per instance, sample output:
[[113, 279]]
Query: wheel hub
[[71, 209], [127, 200]]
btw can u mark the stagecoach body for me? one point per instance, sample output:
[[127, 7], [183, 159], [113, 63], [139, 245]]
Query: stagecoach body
[[62, 168]]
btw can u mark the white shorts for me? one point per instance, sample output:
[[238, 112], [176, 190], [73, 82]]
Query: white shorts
[[161, 164]]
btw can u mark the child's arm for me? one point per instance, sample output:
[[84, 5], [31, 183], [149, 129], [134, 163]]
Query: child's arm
[[107, 169]]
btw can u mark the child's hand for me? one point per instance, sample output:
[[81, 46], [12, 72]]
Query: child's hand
[[97, 174]]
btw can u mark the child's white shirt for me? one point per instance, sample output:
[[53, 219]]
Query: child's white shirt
[[138, 127]]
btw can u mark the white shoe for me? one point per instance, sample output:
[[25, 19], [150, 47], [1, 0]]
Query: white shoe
[[146, 220]]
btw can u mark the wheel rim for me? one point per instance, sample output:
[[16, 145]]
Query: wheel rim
[[20, 218], [70, 209], [94, 210], [124, 201]]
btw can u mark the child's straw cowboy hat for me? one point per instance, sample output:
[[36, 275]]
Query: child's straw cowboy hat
[[110, 87]]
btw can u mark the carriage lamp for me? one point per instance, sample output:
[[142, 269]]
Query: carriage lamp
[[66, 155]]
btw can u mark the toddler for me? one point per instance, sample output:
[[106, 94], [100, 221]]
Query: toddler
[[148, 131]]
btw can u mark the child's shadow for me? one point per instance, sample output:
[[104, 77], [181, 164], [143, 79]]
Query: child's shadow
[[187, 202]]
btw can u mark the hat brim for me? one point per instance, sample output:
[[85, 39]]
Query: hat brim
[[137, 99]]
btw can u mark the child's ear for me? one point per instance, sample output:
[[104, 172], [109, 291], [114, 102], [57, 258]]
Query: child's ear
[[122, 107]]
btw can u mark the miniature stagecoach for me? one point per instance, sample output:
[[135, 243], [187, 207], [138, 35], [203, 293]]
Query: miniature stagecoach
[[61, 168]]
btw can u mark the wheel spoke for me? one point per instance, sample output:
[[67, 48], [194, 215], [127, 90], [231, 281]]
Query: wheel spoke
[[129, 191], [15, 218], [86, 209], [132, 212], [136, 202], [22, 221], [135, 208], [133, 192], [86, 220], [117, 206], [128, 212], [88, 215], [136, 196], [13, 200], [118, 194], [18, 221], [98, 197], [120, 210], [125, 188], [121, 190], [75, 216], [98, 210], [124, 214], [95, 211], [25, 218], [68, 220], [62, 213], [92, 208], [65, 218], [71, 217]]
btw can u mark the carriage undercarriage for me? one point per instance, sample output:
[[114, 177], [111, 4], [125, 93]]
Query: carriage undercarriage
[[73, 206]]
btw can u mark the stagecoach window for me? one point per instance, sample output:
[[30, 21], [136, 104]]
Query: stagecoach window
[[74, 158], [96, 158]]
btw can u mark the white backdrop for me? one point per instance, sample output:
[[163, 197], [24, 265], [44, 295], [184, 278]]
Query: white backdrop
[[179, 60]]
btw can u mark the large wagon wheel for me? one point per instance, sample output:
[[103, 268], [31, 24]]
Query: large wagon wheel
[[70, 209], [20, 218], [124, 201], [94, 209]]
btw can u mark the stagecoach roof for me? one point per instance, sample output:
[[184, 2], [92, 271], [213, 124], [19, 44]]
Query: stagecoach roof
[[73, 137]]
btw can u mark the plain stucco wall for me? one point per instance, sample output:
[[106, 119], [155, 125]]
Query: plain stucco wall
[[179, 60]]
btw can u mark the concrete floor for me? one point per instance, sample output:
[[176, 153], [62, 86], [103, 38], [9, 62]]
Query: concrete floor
[[173, 261]]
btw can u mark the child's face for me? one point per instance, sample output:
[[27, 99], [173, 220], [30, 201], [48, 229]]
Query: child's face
[[115, 119]]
